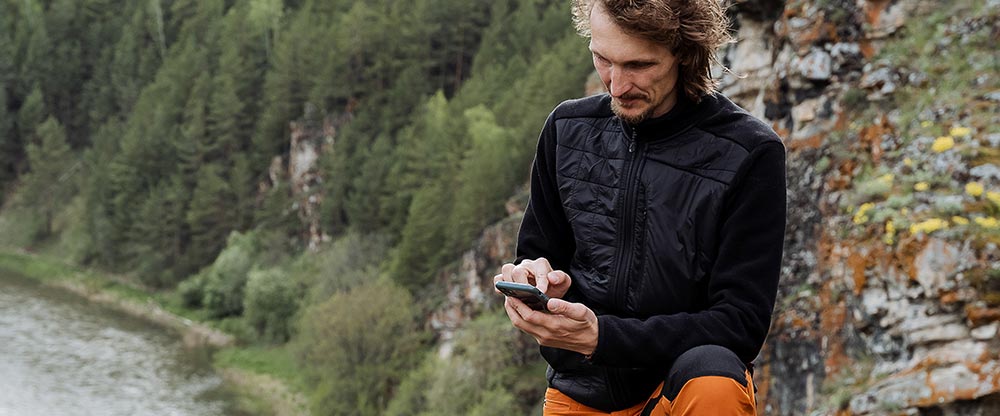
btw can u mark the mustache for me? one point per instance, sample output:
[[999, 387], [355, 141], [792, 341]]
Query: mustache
[[634, 97]]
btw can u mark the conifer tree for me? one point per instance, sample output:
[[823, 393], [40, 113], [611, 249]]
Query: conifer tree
[[49, 183], [32, 113], [209, 217], [485, 179], [423, 243]]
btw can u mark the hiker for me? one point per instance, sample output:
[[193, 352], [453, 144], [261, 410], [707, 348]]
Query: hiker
[[655, 224]]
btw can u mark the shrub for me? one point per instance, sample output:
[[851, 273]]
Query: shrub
[[493, 370], [270, 302], [357, 346], [226, 278]]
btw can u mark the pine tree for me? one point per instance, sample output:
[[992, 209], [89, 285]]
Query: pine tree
[[485, 179], [31, 114], [208, 216], [49, 184], [423, 243]]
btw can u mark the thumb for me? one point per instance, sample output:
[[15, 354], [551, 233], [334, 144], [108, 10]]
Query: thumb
[[575, 311], [557, 277]]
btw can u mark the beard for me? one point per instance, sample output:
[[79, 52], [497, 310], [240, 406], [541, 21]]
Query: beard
[[633, 118]]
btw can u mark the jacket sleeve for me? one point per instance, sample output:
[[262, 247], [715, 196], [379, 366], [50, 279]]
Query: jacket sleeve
[[743, 281], [545, 231]]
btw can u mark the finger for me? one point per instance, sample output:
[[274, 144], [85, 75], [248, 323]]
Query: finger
[[574, 311], [520, 273], [558, 278], [515, 311], [542, 283], [496, 279], [540, 267], [507, 271], [528, 315]]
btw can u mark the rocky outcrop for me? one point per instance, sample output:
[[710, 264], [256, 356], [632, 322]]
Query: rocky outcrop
[[866, 325], [309, 137], [870, 320]]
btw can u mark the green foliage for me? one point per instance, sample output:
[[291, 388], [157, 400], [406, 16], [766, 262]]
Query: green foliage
[[356, 346], [49, 184], [270, 304], [275, 361], [485, 179], [225, 280], [420, 252], [180, 109], [351, 260], [209, 217], [32, 113], [487, 373]]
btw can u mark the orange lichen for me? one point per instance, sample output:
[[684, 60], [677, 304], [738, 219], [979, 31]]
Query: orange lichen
[[870, 137], [867, 48], [813, 142], [949, 298], [858, 262], [832, 324], [873, 10], [906, 255], [981, 316]]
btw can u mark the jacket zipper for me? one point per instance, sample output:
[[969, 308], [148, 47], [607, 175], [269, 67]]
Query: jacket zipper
[[627, 219]]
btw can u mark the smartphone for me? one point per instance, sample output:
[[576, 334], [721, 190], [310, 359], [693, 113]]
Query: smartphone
[[528, 294]]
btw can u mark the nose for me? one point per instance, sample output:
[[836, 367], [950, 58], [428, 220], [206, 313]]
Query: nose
[[618, 82]]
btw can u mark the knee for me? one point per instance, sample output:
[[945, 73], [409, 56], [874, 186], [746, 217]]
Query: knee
[[702, 361]]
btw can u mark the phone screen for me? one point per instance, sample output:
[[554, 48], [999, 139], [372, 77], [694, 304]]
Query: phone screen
[[528, 294]]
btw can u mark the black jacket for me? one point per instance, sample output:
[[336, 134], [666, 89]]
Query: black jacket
[[672, 232]]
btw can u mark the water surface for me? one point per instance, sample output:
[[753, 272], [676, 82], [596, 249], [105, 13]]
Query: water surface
[[61, 355]]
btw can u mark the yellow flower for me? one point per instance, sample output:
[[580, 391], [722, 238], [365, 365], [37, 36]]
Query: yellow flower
[[921, 186], [959, 220], [994, 197], [959, 131], [943, 143], [929, 226], [861, 215], [908, 162], [926, 123], [890, 233], [887, 178], [974, 188], [987, 222], [905, 211]]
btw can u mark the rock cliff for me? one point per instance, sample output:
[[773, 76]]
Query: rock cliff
[[890, 294]]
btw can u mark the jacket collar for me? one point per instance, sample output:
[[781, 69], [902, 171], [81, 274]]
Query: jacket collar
[[684, 114]]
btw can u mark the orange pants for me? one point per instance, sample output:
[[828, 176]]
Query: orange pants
[[702, 395]]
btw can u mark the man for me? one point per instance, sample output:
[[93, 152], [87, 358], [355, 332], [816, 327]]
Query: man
[[655, 224]]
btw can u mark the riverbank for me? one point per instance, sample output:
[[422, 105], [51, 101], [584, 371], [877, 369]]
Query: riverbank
[[260, 389]]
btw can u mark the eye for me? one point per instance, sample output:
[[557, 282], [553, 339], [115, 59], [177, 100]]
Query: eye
[[600, 59]]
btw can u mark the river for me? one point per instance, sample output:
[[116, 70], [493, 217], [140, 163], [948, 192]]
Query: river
[[60, 355]]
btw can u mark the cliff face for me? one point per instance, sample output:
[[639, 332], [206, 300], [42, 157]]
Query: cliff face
[[889, 294], [875, 317]]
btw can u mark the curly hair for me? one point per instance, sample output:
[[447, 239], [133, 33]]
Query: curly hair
[[692, 29]]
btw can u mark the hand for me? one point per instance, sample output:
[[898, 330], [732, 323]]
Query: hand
[[570, 326], [555, 284]]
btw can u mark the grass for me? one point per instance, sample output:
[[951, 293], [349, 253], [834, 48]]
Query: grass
[[37, 268], [276, 361]]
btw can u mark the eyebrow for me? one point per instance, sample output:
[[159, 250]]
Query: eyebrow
[[632, 62]]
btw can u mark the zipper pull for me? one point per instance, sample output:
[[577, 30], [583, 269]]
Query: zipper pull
[[631, 142]]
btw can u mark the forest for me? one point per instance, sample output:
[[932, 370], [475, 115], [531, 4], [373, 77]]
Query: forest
[[152, 140]]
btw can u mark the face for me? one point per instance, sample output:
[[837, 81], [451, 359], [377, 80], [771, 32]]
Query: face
[[641, 75]]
